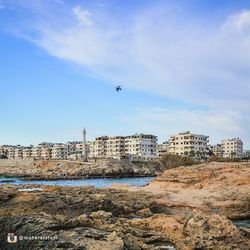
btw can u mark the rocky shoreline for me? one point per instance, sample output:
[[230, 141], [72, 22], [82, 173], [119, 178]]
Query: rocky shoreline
[[184, 208], [56, 170]]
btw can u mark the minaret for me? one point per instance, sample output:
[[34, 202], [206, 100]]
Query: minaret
[[84, 142]]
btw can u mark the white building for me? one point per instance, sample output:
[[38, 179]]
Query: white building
[[10, 151], [141, 146], [188, 144], [18, 152], [3, 151], [58, 151], [232, 148], [162, 149], [246, 154], [27, 152], [36, 152], [216, 150], [138, 146], [115, 147]]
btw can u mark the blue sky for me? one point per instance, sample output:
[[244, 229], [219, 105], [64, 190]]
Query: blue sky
[[183, 65]]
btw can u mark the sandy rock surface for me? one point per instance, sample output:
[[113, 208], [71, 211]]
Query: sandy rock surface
[[48, 170], [172, 212]]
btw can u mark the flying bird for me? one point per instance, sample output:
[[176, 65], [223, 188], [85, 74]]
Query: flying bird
[[118, 88]]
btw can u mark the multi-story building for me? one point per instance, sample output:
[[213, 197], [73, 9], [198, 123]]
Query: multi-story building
[[46, 153], [232, 148], [18, 152], [138, 146], [141, 146], [3, 151], [115, 147], [36, 152], [246, 154], [58, 151], [187, 144], [27, 152], [216, 150], [70, 148], [98, 148], [162, 149], [10, 151]]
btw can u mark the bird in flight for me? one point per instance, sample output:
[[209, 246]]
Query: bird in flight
[[118, 88]]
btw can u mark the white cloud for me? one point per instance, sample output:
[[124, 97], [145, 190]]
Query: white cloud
[[83, 16], [158, 52], [240, 21]]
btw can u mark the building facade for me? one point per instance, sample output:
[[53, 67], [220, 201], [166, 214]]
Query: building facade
[[246, 154], [138, 146], [217, 150], [188, 144], [141, 146], [232, 148], [133, 147], [162, 149]]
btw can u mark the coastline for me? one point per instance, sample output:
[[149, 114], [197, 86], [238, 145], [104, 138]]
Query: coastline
[[50, 178]]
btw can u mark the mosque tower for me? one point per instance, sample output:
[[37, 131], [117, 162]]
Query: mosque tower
[[84, 142]]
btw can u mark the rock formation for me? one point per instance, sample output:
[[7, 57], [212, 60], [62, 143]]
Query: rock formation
[[49, 170], [185, 208]]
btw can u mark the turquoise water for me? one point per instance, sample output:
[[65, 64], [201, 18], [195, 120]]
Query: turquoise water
[[99, 183]]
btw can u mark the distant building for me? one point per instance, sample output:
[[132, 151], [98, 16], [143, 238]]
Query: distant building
[[138, 146], [115, 147], [246, 154], [162, 149], [98, 147], [216, 150], [232, 148], [58, 151], [46, 153], [36, 152], [188, 144], [18, 152], [141, 146], [27, 152], [10, 151], [3, 151]]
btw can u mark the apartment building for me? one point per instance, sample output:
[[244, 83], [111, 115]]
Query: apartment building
[[3, 151], [36, 152], [46, 153], [246, 154], [186, 143], [27, 152], [18, 152], [232, 148], [98, 148], [141, 146], [216, 150], [58, 151], [115, 147], [10, 152], [162, 149], [138, 146]]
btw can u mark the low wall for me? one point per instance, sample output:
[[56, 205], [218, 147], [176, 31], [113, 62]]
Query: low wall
[[16, 162]]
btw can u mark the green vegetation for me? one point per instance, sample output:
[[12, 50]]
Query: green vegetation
[[223, 159], [173, 161]]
